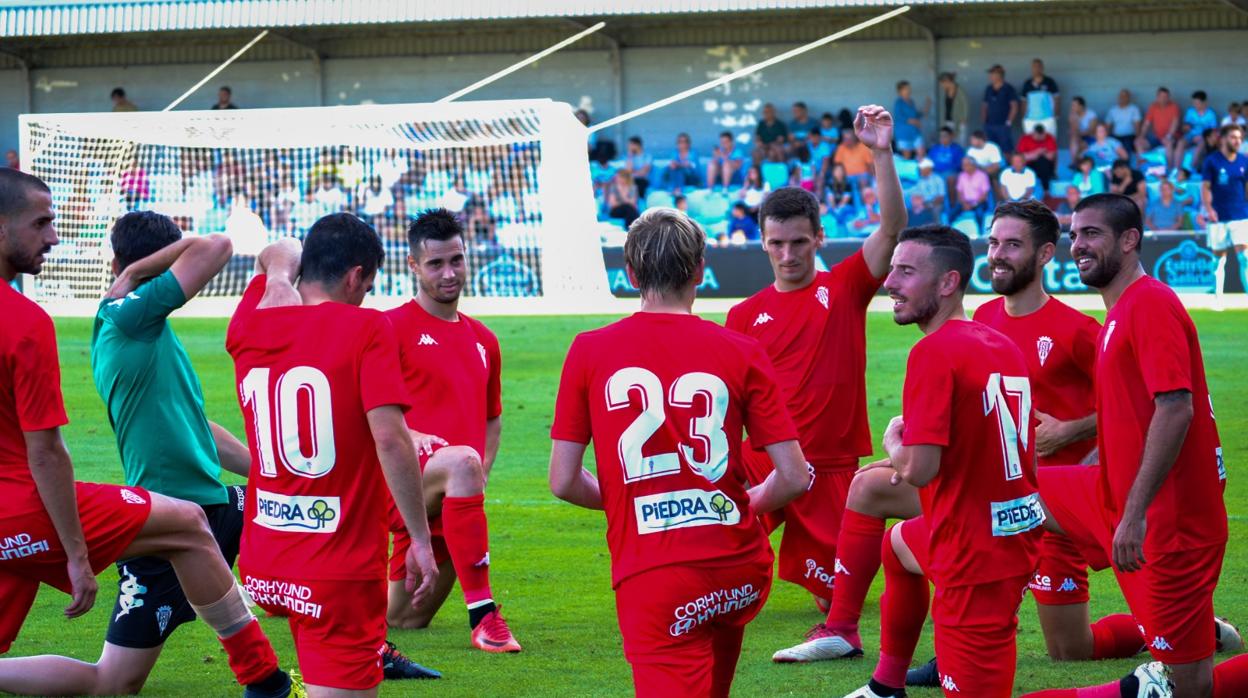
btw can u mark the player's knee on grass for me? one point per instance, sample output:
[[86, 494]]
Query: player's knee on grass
[[1067, 634]]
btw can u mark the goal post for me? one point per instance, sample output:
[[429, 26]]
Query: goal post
[[515, 171]]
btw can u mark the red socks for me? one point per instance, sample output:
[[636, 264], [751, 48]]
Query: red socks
[[903, 609], [251, 656], [1230, 678], [857, 562], [468, 541], [1116, 637]]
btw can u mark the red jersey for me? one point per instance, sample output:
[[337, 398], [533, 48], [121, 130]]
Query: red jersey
[[316, 496], [817, 339], [30, 394], [967, 391], [453, 368], [664, 398], [1059, 345], [1149, 346]]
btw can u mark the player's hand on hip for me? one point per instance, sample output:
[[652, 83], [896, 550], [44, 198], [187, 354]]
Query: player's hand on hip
[[1129, 544], [874, 127], [83, 585], [422, 572], [1050, 434], [425, 443]]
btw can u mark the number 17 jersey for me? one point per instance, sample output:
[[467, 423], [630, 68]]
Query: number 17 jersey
[[664, 398]]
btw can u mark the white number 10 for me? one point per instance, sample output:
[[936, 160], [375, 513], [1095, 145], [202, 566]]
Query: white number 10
[[309, 383], [1012, 432]]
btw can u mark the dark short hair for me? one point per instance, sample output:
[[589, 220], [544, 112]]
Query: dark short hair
[[950, 248], [1164, 89], [118, 92], [337, 243], [790, 202], [635, 139], [1121, 212], [1200, 94], [741, 206], [141, 233], [1080, 100], [725, 134], [979, 134], [1041, 221], [436, 224], [15, 186], [1228, 128], [1120, 163], [902, 83], [946, 129], [948, 76], [800, 104], [226, 89]]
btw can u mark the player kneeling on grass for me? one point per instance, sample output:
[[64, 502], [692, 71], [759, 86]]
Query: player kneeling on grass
[[59, 533], [325, 424], [691, 564]]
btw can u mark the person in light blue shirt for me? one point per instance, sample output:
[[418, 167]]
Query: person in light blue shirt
[[908, 120], [1041, 100], [726, 161]]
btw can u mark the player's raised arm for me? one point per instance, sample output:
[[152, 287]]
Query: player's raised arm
[[193, 261], [279, 262], [569, 480], [402, 470], [874, 126]]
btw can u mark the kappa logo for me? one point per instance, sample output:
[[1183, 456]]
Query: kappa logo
[[132, 497], [1068, 584], [947, 683], [426, 341], [762, 319], [842, 569], [821, 295], [163, 614], [485, 561], [128, 593], [484, 361], [1044, 345], [1109, 331], [131, 296], [1160, 643]]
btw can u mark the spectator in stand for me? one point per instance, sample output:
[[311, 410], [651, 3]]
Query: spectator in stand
[[999, 109], [1128, 181], [1224, 198], [391, 168], [1039, 149], [1088, 180], [973, 188], [1208, 144], [225, 99], [1234, 116], [350, 171], [1160, 128], [1042, 101], [1019, 181], [457, 199], [946, 155], [931, 188], [11, 161], [307, 212], [621, 197], [376, 200], [753, 190], [770, 137], [920, 213], [1124, 121], [830, 129], [838, 197], [726, 162], [800, 125], [682, 169], [680, 203], [120, 103], [803, 168], [821, 151], [1165, 212], [985, 153], [1066, 209], [1185, 190], [857, 159], [908, 118], [639, 162], [1081, 125], [868, 220], [1103, 149], [742, 227], [954, 111], [1198, 118], [330, 195]]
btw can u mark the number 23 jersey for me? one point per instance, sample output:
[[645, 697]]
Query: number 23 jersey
[[664, 398], [307, 377]]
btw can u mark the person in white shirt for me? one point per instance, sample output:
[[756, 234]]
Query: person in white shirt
[[1124, 120], [985, 153], [1019, 181]]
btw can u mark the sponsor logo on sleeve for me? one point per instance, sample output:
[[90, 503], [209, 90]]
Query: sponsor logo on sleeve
[[684, 509], [1017, 515], [297, 513]]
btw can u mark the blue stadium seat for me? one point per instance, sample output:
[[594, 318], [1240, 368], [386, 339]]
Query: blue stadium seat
[[775, 175], [1057, 188], [907, 170], [712, 209], [967, 224], [660, 198]]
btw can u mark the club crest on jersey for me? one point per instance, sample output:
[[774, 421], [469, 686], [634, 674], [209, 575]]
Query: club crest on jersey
[[163, 614], [308, 514], [132, 497], [762, 319], [684, 509], [426, 341], [1044, 345], [1109, 331], [821, 295]]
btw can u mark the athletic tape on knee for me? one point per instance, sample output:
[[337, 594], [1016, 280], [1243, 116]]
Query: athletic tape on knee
[[228, 614]]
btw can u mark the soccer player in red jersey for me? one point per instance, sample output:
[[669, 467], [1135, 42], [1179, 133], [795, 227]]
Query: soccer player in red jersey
[[1154, 507], [690, 562], [326, 432], [61, 533], [453, 369], [966, 439], [813, 326]]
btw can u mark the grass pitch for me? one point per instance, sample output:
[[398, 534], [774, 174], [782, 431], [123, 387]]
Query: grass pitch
[[550, 564]]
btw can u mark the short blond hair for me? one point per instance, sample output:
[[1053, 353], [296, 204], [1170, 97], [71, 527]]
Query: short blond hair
[[664, 248]]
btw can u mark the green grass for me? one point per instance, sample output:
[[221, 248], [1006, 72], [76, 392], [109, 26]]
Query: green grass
[[550, 562]]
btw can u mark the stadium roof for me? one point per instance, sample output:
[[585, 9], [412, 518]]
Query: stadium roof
[[33, 18]]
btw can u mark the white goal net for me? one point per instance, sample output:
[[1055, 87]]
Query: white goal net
[[515, 171]]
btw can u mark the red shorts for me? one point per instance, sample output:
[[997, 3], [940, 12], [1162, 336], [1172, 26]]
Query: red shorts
[[1061, 577], [1171, 597], [402, 541], [683, 625], [339, 626], [812, 523], [31, 552]]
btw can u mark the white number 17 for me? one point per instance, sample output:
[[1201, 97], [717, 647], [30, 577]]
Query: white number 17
[[1013, 431]]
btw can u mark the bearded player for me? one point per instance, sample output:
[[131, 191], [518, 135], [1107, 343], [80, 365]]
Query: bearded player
[[813, 326], [327, 437], [1154, 506], [966, 439], [452, 367], [690, 564]]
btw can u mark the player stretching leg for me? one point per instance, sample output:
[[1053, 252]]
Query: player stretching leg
[[690, 565], [57, 524], [453, 368], [813, 326], [325, 427], [966, 440], [1161, 462]]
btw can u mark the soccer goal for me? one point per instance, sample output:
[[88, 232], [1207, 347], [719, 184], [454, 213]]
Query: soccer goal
[[516, 171]]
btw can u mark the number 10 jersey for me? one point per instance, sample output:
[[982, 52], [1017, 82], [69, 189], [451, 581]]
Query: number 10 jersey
[[664, 398]]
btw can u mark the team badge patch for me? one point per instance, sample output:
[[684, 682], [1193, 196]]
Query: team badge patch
[[163, 614], [1044, 345], [821, 294]]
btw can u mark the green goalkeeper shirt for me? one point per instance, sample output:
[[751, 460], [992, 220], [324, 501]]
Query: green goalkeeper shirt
[[154, 399]]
